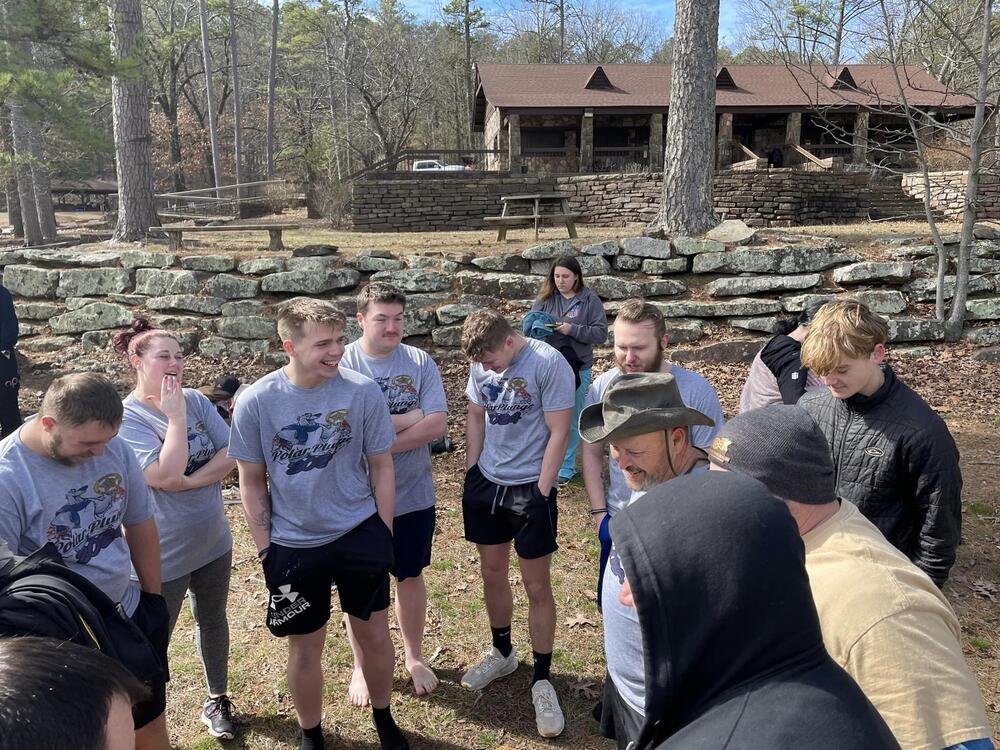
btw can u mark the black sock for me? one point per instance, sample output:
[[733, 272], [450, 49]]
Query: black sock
[[501, 640], [542, 664], [389, 736], [312, 739]]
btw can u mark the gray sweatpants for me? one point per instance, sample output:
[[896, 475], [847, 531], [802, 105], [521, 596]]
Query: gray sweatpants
[[209, 588]]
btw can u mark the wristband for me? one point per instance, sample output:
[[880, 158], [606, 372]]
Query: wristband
[[598, 511], [262, 553]]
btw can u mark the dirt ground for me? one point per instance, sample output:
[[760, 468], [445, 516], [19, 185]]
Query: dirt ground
[[500, 718]]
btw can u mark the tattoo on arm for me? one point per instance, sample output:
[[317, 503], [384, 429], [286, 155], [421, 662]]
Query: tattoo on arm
[[263, 519]]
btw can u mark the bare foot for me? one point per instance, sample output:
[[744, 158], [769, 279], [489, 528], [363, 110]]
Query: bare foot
[[424, 679], [358, 689]]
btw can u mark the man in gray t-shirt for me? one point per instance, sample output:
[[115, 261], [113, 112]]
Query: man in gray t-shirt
[[640, 341], [521, 394], [67, 479], [312, 443], [414, 393]]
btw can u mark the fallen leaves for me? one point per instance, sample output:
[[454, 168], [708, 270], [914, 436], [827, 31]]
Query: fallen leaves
[[985, 589], [579, 620]]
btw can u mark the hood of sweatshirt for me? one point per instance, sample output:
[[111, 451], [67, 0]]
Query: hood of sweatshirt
[[717, 572]]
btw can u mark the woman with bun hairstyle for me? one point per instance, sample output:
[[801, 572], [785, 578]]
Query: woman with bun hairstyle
[[580, 324], [181, 443]]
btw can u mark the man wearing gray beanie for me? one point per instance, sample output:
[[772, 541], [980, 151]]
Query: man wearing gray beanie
[[883, 619]]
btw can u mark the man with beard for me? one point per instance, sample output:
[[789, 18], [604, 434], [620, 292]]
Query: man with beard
[[640, 339], [67, 478], [647, 425]]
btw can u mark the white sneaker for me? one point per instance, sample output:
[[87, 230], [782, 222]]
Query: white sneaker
[[548, 716], [492, 666]]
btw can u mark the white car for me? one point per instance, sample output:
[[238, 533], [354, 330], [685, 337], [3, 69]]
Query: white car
[[435, 165]]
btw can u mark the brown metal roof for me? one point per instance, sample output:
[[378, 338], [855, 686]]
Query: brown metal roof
[[757, 87]]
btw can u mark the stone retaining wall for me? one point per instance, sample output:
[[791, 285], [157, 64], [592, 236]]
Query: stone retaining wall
[[225, 308], [447, 202], [948, 193]]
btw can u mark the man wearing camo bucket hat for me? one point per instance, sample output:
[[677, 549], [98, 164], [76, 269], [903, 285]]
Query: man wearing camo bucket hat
[[647, 426]]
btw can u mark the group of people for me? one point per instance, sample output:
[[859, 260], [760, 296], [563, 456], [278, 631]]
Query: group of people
[[790, 600]]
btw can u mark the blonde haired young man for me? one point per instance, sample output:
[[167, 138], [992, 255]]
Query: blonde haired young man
[[893, 455], [312, 442]]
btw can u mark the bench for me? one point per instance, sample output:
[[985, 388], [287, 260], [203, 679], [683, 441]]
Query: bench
[[503, 222], [175, 234]]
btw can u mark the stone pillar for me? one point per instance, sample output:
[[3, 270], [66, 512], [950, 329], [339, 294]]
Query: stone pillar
[[656, 142], [724, 141], [860, 155], [793, 137], [587, 141], [514, 141]]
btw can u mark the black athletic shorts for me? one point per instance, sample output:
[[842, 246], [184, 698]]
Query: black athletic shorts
[[299, 579], [496, 514], [412, 538], [153, 619]]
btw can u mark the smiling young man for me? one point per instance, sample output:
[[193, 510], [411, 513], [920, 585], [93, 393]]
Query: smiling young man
[[412, 387], [521, 394], [893, 455], [640, 341], [317, 515], [66, 478]]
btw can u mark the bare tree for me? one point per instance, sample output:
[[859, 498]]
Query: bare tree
[[602, 31], [272, 83], [130, 118], [213, 126], [237, 105], [687, 205]]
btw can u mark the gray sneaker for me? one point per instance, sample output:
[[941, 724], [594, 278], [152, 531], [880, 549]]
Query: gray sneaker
[[548, 716], [492, 666]]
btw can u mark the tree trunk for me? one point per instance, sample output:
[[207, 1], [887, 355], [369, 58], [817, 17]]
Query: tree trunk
[[237, 106], [272, 78], [469, 93], [130, 120], [687, 205], [42, 185], [10, 181], [838, 35], [956, 318], [25, 185], [213, 127]]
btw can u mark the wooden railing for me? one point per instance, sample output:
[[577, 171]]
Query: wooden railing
[[621, 159], [832, 163], [752, 163]]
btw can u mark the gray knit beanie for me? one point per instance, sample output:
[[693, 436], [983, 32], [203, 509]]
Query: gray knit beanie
[[782, 447]]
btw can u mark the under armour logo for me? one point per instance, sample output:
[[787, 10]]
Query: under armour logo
[[286, 595]]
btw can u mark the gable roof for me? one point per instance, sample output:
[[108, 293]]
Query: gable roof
[[756, 87], [599, 80], [724, 79]]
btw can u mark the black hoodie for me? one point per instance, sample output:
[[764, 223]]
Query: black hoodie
[[732, 643]]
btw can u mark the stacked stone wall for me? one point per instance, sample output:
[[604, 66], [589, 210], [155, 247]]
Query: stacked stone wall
[[948, 193], [443, 202], [224, 307]]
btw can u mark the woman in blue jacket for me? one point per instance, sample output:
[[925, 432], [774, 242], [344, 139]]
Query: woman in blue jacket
[[580, 324]]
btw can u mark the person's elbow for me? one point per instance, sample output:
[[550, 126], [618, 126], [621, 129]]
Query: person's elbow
[[437, 425]]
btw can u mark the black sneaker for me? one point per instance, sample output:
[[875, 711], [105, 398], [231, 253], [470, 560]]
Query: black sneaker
[[217, 715]]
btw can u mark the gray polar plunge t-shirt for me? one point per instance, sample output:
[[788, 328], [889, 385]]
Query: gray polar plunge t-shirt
[[409, 380], [538, 380], [80, 509], [179, 514], [314, 443]]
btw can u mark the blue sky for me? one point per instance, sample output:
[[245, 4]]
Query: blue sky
[[664, 9]]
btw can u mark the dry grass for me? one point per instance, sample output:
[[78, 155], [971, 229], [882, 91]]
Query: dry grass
[[501, 716]]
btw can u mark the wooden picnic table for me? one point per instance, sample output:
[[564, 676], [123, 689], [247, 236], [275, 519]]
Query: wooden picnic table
[[175, 233], [511, 215]]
